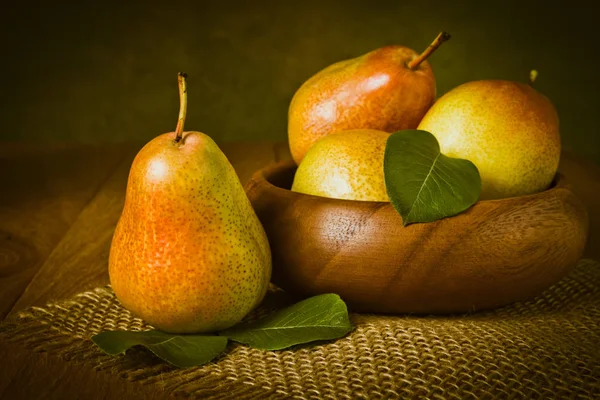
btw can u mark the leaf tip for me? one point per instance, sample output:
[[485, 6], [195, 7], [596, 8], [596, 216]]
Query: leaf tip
[[101, 339]]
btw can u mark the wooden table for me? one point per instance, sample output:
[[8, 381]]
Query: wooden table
[[59, 204]]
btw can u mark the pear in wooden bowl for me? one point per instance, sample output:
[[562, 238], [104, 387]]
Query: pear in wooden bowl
[[495, 253]]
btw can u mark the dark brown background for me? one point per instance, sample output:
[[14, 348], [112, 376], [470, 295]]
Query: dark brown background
[[105, 71]]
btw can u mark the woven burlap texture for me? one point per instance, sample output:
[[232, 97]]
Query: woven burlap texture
[[547, 347]]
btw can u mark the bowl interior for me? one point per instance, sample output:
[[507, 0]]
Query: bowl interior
[[282, 177]]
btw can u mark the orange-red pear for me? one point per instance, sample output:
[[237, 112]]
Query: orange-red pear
[[387, 89]]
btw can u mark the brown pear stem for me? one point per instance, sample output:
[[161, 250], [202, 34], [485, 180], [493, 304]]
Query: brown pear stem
[[437, 42], [532, 75], [181, 76]]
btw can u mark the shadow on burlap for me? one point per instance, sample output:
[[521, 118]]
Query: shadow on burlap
[[548, 347]]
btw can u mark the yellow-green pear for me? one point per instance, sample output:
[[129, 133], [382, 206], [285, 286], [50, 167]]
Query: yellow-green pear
[[188, 254], [508, 129], [347, 165]]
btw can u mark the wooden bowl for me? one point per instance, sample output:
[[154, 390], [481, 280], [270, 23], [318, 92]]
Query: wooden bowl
[[497, 252]]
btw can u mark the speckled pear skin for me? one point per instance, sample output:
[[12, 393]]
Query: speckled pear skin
[[508, 129], [188, 254], [373, 91], [347, 165]]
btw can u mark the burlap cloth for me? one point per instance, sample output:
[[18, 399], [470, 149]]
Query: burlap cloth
[[548, 347]]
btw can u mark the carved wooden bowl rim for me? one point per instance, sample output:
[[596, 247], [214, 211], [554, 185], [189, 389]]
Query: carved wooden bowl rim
[[264, 176]]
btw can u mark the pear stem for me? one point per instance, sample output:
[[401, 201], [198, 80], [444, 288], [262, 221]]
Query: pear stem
[[532, 75], [437, 42], [181, 76]]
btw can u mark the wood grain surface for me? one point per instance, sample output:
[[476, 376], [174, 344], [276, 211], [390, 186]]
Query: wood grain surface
[[584, 176], [59, 204], [43, 191], [79, 260]]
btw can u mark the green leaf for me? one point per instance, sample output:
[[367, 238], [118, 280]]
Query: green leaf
[[423, 184], [322, 317], [180, 350]]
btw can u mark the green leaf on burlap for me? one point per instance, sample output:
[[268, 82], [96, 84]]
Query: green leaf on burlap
[[322, 317], [180, 350], [423, 184]]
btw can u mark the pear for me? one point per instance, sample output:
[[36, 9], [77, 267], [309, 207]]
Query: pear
[[387, 89], [188, 254], [347, 165], [507, 129]]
